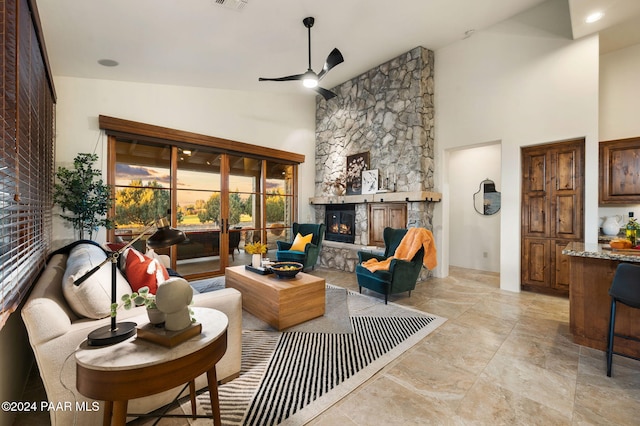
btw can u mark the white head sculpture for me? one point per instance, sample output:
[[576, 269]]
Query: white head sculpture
[[173, 298]]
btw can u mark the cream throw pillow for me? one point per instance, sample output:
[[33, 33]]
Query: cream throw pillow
[[300, 242], [92, 298]]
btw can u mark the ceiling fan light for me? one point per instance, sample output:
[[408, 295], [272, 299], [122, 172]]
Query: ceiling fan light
[[310, 81]]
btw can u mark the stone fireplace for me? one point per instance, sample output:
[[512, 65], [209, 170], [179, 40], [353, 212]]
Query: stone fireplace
[[389, 113]]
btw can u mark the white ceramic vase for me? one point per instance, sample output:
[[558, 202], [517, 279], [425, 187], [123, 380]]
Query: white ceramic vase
[[256, 260]]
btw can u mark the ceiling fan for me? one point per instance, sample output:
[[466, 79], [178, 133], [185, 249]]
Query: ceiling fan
[[310, 79]]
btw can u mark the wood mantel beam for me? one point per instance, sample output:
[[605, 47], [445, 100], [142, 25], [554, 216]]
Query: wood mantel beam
[[381, 197]]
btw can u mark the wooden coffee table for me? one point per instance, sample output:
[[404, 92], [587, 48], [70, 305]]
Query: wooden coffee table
[[281, 303]]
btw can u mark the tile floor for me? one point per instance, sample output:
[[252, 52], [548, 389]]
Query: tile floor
[[501, 358]]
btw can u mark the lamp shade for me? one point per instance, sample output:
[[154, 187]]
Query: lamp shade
[[165, 236]]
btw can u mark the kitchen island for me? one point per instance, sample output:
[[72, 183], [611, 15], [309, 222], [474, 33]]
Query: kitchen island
[[592, 267]]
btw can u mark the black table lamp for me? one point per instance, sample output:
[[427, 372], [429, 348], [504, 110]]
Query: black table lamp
[[164, 236]]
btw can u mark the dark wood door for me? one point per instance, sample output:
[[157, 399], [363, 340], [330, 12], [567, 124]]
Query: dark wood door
[[552, 213]]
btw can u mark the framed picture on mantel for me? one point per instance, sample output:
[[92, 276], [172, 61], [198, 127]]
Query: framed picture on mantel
[[356, 164], [370, 181]]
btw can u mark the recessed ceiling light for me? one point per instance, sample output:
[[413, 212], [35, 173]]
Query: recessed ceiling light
[[594, 17], [108, 62]]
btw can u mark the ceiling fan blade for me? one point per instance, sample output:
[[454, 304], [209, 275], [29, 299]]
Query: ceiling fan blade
[[327, 94], [287, 78], [334, 58]]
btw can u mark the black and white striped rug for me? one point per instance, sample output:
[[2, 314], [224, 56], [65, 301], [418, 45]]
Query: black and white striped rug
[[291, 377]]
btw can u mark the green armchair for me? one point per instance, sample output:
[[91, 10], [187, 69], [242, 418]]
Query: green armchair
[[401, 276], [308, 257]]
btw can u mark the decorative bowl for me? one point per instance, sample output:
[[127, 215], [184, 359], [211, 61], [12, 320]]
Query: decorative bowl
[[286, 269]]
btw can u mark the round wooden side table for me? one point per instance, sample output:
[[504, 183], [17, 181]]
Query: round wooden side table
[[136, 367]]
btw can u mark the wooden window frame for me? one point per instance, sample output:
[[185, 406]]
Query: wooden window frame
[[118, 128]]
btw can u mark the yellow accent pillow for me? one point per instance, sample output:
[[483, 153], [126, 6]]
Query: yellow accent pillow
[[300, 242]]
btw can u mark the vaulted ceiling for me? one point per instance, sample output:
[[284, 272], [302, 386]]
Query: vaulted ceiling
[[228, 44]]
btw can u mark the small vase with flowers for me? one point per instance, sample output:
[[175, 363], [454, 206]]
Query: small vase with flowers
[[256, 250]]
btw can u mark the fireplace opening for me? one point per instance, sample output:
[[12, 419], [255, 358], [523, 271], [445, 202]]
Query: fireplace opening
[[341, 223]]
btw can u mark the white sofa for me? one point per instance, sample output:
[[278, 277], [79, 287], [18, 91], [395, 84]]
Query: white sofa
[[55, 332]]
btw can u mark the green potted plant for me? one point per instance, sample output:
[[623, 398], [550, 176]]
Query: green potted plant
[[84, 198], [140, 298], [143, 298]]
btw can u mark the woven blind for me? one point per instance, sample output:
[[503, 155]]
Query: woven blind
[[27, 152]]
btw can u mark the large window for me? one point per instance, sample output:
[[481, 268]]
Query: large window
[[26, 153], [220, 199], [142, 186]]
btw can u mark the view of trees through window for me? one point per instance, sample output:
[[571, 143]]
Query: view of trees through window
[[138, 204], [259, 196]]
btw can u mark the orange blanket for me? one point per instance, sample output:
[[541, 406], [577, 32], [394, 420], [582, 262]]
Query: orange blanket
[[408, 247]]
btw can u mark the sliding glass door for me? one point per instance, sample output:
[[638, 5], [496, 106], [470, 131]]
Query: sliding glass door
[[279, 203], [220, 200], [245, 204], [199, 211]]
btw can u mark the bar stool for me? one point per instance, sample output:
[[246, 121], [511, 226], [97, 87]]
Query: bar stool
[[625, 289]]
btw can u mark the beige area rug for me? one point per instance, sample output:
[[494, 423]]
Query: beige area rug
[[290, 377]]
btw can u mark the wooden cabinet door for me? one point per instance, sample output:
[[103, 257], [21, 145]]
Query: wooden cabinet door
[[560, 280], [544, 266], [536, 265], [382, 216], [536, 166], [377, 223], [619, 163], [552, 213], [397, 216], [567, 204]]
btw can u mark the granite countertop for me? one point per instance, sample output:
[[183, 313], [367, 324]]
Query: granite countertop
[[600, 251]]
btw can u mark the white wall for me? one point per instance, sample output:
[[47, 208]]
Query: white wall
[[620, 94], [620, 106], [285, 122], [474, 238], [521, 85]]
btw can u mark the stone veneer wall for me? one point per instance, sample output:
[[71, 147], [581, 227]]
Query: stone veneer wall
[[389, 112]]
